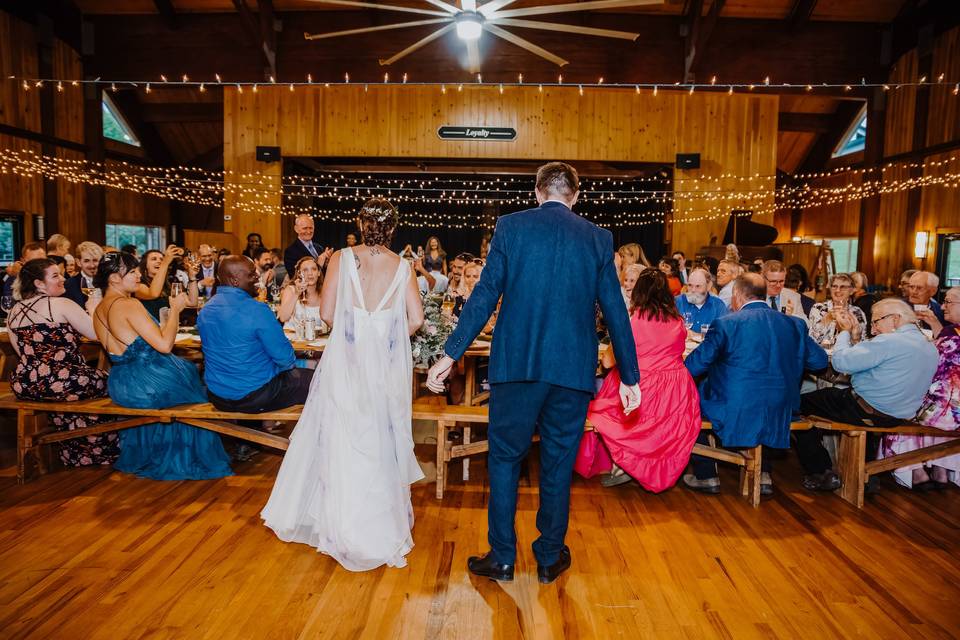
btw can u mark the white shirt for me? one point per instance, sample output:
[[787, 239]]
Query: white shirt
[[440, 286], [726, 293]]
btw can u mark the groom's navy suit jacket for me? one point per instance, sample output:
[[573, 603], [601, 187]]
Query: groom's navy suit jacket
[[551, 267]]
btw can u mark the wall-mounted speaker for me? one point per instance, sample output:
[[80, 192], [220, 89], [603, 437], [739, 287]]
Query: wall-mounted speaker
[[688, 161], [268, 154]]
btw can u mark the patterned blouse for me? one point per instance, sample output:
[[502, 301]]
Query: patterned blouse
[[824, 329]]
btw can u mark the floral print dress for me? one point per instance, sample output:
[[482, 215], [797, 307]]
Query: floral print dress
[[51, 367]]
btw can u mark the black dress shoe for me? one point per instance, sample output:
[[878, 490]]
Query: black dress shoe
[[488, 568], [546, 575], [826, 481]]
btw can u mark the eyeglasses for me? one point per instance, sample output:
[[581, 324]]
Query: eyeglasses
[[781, 281], [946, 302], [877, 321], [840, 286]]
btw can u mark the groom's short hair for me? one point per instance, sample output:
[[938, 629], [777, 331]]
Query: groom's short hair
[[558, 179]]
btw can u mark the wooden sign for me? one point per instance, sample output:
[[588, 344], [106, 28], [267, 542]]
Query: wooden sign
[[482, 134]]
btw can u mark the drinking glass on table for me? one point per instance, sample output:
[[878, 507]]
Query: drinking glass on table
[[688, 320]]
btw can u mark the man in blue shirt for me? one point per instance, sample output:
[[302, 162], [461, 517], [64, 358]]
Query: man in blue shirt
[[697, 305], [890, 376], [248, 361]]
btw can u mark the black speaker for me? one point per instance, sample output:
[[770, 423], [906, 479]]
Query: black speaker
[[269, 154], [688, 161]]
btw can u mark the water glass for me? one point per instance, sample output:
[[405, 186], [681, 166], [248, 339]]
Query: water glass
[[176, 288], [704, 327], [164, 315], [688, 321]]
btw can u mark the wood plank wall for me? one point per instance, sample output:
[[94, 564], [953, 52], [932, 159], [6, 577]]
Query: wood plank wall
[[21, 109], [939, 206], [734, 134]]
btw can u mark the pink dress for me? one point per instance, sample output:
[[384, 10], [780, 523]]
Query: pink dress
[[653, 443]]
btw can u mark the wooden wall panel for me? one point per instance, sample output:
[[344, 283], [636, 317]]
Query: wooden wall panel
[[733, 134], [833, 220], [130, 207], [193, 238], [68, 104], [944, 123], [901, 107]]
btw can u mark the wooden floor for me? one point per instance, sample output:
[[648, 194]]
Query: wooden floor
[[97, 554]]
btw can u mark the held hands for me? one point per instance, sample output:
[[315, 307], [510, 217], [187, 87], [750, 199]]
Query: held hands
[[630, 397], [438, 373]]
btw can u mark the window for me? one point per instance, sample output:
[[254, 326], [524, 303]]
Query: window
[[855, 138], [11, 238], [114, 126], [844, 253], [143, 238], [951, 261]]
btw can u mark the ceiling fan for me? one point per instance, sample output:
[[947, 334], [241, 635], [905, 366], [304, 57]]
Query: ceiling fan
[[471, 19]]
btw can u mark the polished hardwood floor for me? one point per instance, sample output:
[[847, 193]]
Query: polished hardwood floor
[[93, 553]]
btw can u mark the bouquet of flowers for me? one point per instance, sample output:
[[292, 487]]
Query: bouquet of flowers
[[426, 345]]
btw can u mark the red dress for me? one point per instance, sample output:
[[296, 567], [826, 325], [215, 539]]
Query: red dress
[[653, 443]]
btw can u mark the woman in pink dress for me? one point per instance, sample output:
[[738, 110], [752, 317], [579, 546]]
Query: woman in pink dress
[[652, 445]]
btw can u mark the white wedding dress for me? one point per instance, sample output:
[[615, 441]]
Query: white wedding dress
[[344, 485]]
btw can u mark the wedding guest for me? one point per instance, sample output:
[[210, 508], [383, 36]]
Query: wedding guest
[[72, 268], [407, 253], [861, 297], [155, 268], [45, 330], [456, 269], [940, 408], [823, 320], [651, 446], [29, 251], [223, 253], [682, 270], [351, 240], [429, 281], [754, 361], [145, 375], [254, 242], [280, 275], [435, 258], [698, 306], [890, 375], [727, 272], [131, 249], [905, 282], [485, 245], [471, 275], [248, 361], [58, 245], [628, 279], [921, 288], [207, 275], [301, 298], [777, 297], [669, 267], [263, 258], [304, 245], [61, 263], [632, 253], [797, 281], [78, 286]]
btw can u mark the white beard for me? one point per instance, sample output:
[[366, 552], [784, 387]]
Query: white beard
[[696, 298]]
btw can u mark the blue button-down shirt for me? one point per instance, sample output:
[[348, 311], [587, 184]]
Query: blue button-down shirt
[[243, 344], [711, 309], [891, 371]]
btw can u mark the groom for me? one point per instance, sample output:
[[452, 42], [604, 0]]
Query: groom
[[542, 360]]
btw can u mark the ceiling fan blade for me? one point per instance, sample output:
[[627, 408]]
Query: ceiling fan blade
[[473, 56], [382, 27], [385, 7], [419, 43], [574, 6], [569, 28], [523, 44], [494, 5], [449, 8]]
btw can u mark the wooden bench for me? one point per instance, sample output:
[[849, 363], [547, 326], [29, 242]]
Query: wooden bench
[[446, 417], [852, 466], [33, 433]]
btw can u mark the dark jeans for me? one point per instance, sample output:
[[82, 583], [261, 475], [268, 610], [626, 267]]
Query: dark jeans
[[833, 404], [705, 468], [287, 388], [516, 410]]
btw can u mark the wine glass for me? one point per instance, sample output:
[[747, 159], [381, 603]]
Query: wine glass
[[448, 303], [176, 288], [688, 320]]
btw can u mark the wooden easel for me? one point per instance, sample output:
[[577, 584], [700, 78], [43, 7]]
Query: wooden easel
[[824, 265]]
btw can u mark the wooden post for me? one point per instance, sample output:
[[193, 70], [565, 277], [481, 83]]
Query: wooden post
[[851, 462]]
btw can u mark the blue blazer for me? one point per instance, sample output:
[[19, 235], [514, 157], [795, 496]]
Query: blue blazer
[[754, 360], [551, 267], [73, 290]]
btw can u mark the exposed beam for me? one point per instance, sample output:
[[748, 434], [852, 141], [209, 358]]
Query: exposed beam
[[153, 112], [210, 159], [690, 30], [33, 136], [707, 26], [150, 140], [251, 25], [800, 14], [269, 26], [808, 122], [823, 148], [167, 12]]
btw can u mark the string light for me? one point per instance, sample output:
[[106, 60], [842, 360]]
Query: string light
[[217, 77]]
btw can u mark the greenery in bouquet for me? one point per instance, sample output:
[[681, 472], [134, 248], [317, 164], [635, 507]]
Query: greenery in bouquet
[[426, 345]]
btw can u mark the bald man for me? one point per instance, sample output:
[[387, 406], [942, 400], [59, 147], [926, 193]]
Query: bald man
[[304, 245], [753, 360], [248, 361]]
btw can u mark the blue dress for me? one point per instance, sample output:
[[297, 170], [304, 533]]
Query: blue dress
[[144, 378]]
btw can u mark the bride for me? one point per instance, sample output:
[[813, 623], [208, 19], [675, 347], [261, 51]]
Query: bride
[[344, 485]]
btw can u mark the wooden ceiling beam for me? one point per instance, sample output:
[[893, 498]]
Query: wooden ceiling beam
[[211, 159], [167, 12], [150, 139], [823, 148], [805, 122], [154, 112], [800, 14]]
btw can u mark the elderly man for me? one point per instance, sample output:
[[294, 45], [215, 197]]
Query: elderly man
[[779, 298], [921, 287], [727, 272], [905, 282], [754, 360], [890, 375], [698, 306], [304, 245], [208, 269], [248, 361], [89, 254]]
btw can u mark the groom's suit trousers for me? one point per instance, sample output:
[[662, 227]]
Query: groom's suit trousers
[[517, 410]]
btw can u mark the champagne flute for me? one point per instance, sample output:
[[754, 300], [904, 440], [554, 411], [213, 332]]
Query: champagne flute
[[448, 304], [176, 288]]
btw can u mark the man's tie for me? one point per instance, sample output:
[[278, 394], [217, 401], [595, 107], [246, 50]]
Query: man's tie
[[312, 249], [773, 303]]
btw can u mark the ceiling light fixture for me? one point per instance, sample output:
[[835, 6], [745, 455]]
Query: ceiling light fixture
[[469, 25]]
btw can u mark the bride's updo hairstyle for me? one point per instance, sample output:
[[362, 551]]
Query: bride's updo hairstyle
[[111, 263], [378, 220]]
